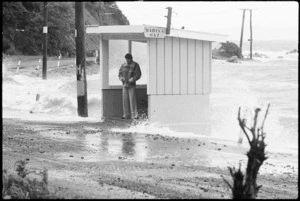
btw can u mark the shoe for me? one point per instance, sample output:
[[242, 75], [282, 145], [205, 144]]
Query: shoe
[[122, 117]]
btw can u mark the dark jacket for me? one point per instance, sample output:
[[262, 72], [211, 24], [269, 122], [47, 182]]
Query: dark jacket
[[128, 71]]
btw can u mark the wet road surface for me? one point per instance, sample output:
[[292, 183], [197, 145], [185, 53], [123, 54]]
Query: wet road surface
[[155, 165]]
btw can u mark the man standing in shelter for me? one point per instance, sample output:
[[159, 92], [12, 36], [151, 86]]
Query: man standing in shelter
[[129, 73]]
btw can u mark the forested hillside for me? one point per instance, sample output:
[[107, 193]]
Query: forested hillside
[[22, 24]]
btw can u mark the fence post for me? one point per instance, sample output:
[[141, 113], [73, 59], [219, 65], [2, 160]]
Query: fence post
[[19, 64], [240, 140], [96, 56], [38, 66], [58, 60]]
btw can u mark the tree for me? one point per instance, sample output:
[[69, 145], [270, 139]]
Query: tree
[[61, 22], [28, 16], [230, 49], [245, 187], [12, 16]]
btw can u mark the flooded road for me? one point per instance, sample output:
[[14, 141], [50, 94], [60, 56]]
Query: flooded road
[[124, 144], [110, 160]]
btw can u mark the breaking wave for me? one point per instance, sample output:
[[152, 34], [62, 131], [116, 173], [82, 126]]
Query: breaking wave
[[55, 96]]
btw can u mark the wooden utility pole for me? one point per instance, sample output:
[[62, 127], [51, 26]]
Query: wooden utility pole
[[169, 19], [82, 106], [45, 31], [99, 13], [251, 39], [250, 34], [130, 47], [242, 32]]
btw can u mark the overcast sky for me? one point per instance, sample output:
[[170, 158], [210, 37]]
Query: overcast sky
[[270, 20]]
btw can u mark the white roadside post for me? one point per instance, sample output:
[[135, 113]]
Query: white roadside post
[[59, 57], [241, 135], [19, 64], [96, 56], [38, 66], [36, 107], [4, 69], [240, 140]]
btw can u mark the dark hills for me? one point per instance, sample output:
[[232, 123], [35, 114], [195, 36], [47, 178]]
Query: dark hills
[[22, 26]]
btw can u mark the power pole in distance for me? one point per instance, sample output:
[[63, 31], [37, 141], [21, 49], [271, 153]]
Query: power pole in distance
[[251, 39], [82, 106], [241, 40], [169, 19], [250, 34], [45, 31]]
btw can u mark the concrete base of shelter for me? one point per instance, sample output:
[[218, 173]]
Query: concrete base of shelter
[[112, 105], [185, 113]]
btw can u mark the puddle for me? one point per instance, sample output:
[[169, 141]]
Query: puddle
[[108, 146]]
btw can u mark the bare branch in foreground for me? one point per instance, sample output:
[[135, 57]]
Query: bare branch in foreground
[[245, 187]]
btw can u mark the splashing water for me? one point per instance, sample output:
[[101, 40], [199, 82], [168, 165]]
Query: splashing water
[[144, 127], [58, 97], [247, 85]]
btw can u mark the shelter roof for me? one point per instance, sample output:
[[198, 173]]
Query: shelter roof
[[142, 32]]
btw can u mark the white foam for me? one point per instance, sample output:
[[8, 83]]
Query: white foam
[[291, 57], [272, 55], [57, 96], [154, 129], [232, 86]]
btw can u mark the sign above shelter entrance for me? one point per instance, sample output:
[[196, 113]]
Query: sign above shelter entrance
[[155, 32]]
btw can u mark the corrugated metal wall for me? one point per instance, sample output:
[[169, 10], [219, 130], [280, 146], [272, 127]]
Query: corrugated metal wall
[[179, 66]]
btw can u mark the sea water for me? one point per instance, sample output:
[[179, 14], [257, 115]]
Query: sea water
[[247, 85], [251, 86]]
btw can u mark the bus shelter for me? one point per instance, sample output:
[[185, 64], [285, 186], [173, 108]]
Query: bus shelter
[[178, 70]]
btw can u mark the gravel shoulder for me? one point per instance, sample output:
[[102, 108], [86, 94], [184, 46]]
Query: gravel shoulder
[[117, 176]]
